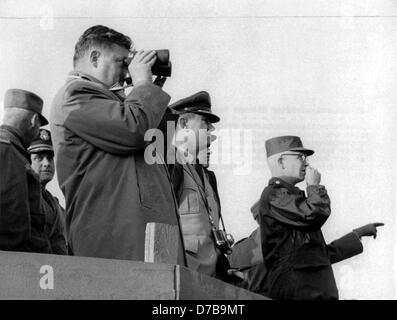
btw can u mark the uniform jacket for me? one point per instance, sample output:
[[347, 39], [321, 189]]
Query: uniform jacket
[[55, 223], [202, 253], [247, 252], [110, 191], [22, 221], [297, 259], [247, 257]]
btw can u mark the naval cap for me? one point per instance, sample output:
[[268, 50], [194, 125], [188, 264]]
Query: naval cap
[[42, 142]]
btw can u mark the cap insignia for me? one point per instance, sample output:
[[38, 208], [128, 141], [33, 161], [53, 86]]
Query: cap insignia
[[44, 135]]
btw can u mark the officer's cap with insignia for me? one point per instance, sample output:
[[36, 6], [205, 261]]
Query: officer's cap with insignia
[[22, 99], [42, 142], [285, 143], [198, 103]]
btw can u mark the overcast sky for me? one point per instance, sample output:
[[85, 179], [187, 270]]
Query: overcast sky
[[322, 70]]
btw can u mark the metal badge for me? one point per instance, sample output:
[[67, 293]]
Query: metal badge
[[44, 135]]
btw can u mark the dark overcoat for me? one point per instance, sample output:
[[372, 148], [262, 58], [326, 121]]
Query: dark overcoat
[[247, 257], [22, 220], [55, 223]]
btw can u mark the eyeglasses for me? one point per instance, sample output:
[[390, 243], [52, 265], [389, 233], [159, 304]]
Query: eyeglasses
[[300, 156]]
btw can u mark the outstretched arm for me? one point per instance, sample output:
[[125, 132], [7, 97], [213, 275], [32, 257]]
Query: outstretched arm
[[350, 244]]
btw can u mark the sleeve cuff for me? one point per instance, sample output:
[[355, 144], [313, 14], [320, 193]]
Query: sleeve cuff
[[320, 189], [142, 83]]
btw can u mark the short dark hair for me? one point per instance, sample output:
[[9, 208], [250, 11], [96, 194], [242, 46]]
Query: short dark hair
[[99, 36]]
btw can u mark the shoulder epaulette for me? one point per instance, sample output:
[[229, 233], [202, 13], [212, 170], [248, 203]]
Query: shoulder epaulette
[[276, 183]]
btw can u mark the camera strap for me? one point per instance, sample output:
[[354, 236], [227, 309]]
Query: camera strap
[[205, 200], [207, 179], [203, 197]]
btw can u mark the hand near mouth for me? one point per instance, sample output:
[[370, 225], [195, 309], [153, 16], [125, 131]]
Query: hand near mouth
[[312, 177]]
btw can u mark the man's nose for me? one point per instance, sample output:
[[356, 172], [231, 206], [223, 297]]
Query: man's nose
[[45, 162]]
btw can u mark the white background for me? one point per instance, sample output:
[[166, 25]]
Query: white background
[[323, 70]]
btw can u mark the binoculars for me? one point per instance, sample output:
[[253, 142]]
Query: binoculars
[[162, 67]]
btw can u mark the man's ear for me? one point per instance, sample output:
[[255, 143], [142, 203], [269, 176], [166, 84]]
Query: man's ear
[[35, 120], [183, 122], [94, 56], [280, 162]]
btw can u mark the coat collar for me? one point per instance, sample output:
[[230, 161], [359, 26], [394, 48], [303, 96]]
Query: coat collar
[[85, 76], [277, 181], [15, 136], [75, 74]]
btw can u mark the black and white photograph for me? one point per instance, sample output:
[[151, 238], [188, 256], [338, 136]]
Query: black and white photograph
[[198, 150]]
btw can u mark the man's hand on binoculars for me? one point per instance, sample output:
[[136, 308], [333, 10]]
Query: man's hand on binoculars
[[140, 67]]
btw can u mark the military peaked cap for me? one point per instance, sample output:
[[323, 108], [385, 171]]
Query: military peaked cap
[[199, 103], [18, 98], [285, 143]]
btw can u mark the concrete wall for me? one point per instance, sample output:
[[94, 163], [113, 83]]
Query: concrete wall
[[26, 275]]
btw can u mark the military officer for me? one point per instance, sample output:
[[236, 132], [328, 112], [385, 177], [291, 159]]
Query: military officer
[[21, 218], [42, 157], [195, 186], [297, 259]]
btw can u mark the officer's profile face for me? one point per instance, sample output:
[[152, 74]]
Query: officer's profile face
[[43, 165], [202, 128], [197, 122], [111, 67], [293, 164]]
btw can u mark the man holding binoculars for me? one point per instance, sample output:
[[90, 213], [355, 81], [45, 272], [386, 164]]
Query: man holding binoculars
[[111, 192]]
